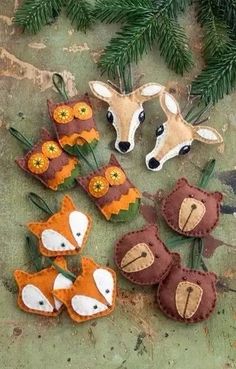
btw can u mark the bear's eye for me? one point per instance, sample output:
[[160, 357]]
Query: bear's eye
[[184, 278], [199, 282], [203, 201], [190, 196]]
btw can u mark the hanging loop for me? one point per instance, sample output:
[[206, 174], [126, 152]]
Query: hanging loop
[[40, 203], [21, 138], [60, 85]]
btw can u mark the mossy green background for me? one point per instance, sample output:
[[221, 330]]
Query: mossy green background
[[136, 335]]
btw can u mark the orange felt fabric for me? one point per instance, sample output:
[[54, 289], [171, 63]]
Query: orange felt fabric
[[74, 139], [62, 174]]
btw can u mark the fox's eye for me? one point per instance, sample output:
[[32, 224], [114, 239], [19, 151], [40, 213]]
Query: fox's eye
[[184, 150], [159, 130], [105, 283], [79, 223], [87, 306], [110, 117], [34, 299], [55, 241], [141, 117]]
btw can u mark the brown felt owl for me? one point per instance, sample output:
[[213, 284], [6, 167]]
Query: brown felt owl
[[142, 257], [187, 295], [190, 210]]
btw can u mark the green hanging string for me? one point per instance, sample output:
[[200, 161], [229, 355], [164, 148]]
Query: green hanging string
[[207, 173], [35, 256], [178, 240], [60, 85], [91, 150], [196, 253], [65, 273], [19, 136], [81, 155], [40, 203]]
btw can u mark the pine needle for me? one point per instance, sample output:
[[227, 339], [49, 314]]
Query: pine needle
[[80, 14]]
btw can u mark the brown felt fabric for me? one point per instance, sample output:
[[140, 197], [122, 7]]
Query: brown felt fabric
[[172, 204], [162, 257], [196, 310], [55, 165]]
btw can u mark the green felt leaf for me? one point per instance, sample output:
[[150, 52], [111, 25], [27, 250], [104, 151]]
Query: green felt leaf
[[127, 215], [85, 149], [71, 181], [65, 273]]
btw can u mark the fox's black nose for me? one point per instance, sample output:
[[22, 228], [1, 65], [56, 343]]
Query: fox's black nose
[[153, 163], [124, 146]]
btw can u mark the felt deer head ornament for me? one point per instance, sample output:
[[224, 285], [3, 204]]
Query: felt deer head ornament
[[64, 233], [175, 136], [93, 293], [125, 111]]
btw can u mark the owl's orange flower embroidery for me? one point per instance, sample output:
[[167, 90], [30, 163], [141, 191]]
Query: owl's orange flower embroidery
[[82, 111], [63, 114], [38, 163], [115, 176], [51, 149], [98, 186]]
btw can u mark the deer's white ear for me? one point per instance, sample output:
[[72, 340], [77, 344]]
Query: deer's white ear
[[148, 91], [207, 134], [101, 90], [169, 104]]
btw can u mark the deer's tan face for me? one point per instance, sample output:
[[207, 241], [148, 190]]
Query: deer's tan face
[[175, 136], [125, 112]]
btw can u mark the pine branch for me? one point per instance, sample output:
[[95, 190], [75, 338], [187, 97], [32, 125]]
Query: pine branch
[[216, 32], [80, 13], [218, 78], [227, 9], [33, 14]]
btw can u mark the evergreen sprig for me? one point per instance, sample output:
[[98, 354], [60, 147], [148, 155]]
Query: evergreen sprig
[[156, 22], [32, 15], [227, 9], [218, 78]]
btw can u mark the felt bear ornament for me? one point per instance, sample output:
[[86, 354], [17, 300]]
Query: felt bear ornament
[[36, 289], [187, 295], [190, 210], [47, 162], [175, 136], [125, 111], [142, 257], [64, 233], [93, 293], [113, 193]]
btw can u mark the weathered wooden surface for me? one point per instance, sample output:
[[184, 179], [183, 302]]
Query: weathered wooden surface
[[137, 335]]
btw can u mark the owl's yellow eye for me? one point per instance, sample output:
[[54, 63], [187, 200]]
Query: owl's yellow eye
[[115, 176], [98, 186], [63, 114], [38, 163], [51, 149], [82, 111]]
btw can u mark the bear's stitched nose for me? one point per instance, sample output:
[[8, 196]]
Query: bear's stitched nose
[[153, 163], [124, 146]]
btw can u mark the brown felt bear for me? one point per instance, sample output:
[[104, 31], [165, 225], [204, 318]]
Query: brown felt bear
[[190, 210], [142, 257], [187, 295]]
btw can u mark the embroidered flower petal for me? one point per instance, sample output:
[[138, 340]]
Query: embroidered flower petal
[[51, 149], [98, 186], [38, 163], [115, 176], [82, 111], [63, 114]]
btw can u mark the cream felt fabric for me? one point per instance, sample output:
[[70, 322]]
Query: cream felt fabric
[[34, 299], [87, 306], [54, 241], [105, 283], [188, 296], [79, 223], [60, 282]]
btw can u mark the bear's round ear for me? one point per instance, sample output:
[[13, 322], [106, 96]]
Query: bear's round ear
[[213, 277], [182, 182], [218, 196], [176, 258]]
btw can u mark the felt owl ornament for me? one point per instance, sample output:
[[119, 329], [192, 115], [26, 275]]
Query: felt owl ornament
[[93, 293], [113, 193], [175, 136], [47, 162], [190, 210], [187, 295], [125, 112], [64, 233], [142, 257], [36, 289]]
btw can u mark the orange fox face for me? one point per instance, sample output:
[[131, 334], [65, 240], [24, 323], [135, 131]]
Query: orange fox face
[[64, 233], [93, 293], [36, 290]]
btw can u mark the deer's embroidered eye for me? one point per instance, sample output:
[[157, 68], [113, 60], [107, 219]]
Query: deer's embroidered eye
[[160, 130], [141, 117], [110, 117], [184, 150]]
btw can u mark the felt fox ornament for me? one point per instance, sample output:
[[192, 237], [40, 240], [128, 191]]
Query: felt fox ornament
[[93, 293], [47, 162], [125, 111], [113, 193], [64, 233], [73, 121], [36, 289], [175, 136], [187, 295]]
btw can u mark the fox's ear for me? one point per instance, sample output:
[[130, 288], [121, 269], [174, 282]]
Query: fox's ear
[[21, 277], [182, 182], [64, 295], [218, 196], [36, 228], [67, 204], [61, 261], [88, 264]]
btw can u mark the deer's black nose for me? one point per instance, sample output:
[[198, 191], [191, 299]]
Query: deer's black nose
[[153, 163], [124, 146]]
